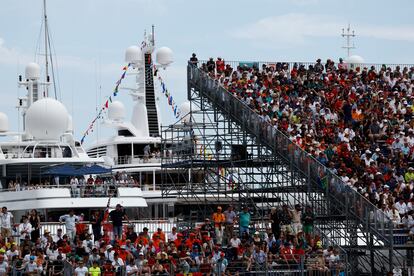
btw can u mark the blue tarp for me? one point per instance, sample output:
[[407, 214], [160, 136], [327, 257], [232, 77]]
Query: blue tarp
[[62, 170], [68, 170], [94, 169]]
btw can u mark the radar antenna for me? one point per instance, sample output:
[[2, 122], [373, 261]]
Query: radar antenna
[[348, 35]]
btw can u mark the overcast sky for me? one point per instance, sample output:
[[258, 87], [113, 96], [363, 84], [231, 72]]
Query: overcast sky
[[90, 37]]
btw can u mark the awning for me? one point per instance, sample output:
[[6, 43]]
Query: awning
[[94, 169], [62, 170]]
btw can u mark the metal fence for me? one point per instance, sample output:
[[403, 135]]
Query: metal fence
[[346, 200], [234, 64]]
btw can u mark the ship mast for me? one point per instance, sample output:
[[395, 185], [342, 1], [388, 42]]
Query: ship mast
[[46, 46]]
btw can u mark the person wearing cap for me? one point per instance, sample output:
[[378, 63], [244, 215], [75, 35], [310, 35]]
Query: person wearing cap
[[25, 228], [81, 270], [117, 216], [6, 222], [218, 219], [32, 268], [70, 221], [220, 265], [109, 253]]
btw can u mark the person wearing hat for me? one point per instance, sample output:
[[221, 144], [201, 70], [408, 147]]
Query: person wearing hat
[[117, 216], [219, 219], [109, 253]]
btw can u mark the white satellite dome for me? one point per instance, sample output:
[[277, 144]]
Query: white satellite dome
[[164, 56], [70, 124], [355, 59], [185, 109], [47, 119], [116, 111], [4, 122], [32, 71], [133, 55]]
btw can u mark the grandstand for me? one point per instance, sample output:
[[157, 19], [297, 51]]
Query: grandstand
[[336, 137]]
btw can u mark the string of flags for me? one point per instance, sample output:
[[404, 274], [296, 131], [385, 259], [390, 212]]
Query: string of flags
[[168, 95], [106, 103]]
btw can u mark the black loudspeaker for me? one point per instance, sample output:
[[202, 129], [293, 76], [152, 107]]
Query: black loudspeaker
[[238, 152], [218, 146]]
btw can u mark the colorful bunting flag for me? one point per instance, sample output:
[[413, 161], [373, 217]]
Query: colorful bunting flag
[[106, 104]]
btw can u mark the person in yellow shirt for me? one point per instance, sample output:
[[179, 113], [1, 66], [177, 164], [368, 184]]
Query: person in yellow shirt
[[95, 270], [218, 219]]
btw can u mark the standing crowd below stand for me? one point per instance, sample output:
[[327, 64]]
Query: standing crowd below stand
[[227, 243]]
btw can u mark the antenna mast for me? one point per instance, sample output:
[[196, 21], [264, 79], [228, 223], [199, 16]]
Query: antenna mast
[[348, 35], [46, 45]]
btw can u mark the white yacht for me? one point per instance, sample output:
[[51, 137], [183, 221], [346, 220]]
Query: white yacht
[[44, 141], [135, 147]]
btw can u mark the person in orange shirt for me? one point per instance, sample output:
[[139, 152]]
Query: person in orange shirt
[[189, 242], [142, 239], [160, 234], [218, 219], [179, 240]]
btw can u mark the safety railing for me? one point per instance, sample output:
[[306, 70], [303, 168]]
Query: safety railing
[[290, 64], [137, 159], [342, 197]]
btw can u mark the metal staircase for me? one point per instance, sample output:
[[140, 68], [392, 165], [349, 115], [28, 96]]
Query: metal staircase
[[150, 98], [343, 215]]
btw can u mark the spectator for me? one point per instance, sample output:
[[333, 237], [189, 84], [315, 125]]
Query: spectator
[[230, 220], [117, 216], [194, 59], [6, 221], [70, 221], [218, 219], [244, 220], [308, 218], [25, 228], [34, 220]]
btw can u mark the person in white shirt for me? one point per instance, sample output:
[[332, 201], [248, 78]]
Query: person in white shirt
[[401, 206], [13, 251], [117, 263], [235, 241], [81, 270], [25, 228], [70, 221], [109, 253], [32, 267], [4, 266], [131, 270], [6, 222], [173, 235]]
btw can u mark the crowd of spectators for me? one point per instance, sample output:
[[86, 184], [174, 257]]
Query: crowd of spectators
[[227, 243], [358, 121]]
